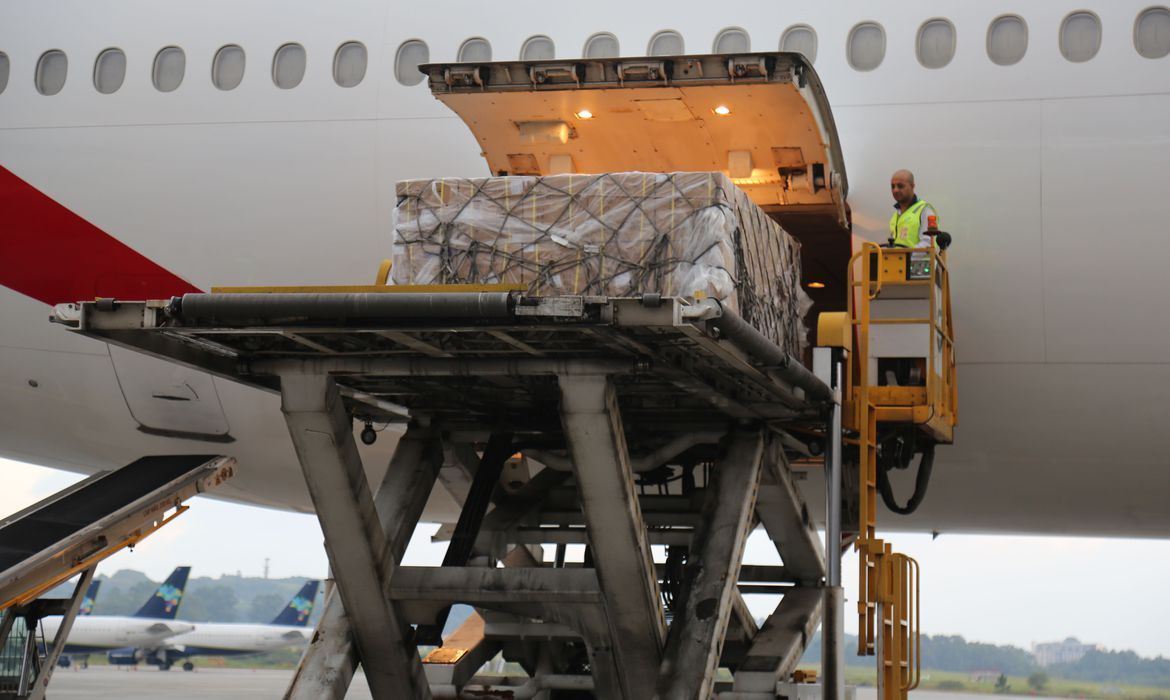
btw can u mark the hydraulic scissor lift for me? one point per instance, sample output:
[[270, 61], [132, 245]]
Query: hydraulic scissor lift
[[658, 421]]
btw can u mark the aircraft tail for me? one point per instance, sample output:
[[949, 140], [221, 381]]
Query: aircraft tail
[[164, 604], [90, 597], [299, 609]]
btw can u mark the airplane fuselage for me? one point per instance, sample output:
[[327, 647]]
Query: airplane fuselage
[[1049, 172]]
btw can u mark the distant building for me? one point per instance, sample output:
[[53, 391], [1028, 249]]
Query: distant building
[[1069, 651]]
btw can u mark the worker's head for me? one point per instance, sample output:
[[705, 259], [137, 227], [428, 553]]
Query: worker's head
[[902, 186]]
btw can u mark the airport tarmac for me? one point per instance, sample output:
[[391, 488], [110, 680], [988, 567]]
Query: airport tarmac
[[230, 683], [148, 682]]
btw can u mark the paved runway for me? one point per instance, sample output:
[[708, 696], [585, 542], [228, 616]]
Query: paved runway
[[231, 683], [176, 684]]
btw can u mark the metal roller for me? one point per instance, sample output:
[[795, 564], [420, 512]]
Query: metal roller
[[769, 354], [331, 306]]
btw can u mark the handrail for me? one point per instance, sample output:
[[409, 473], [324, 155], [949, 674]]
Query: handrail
[[865, 246], [915, 626]]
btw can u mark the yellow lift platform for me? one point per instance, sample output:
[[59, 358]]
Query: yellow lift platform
[[899, 400]]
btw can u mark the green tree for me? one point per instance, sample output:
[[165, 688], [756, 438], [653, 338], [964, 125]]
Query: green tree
[[265, 606], [215, 603], [1038, 680], [1001, 684]]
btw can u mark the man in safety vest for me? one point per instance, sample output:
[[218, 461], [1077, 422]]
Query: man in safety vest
[[909, 222]]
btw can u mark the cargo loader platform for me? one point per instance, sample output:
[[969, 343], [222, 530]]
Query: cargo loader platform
[[656, 420]]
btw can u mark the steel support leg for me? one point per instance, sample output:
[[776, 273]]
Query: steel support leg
[[329, 662], [53, 652], [833, 623], [777, 648], [322, 433], [617, 534], [483, 484], [695, 642], [785, 517], [328, 665]]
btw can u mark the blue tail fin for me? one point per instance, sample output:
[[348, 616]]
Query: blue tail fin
[[299, 609], [90, 597], [164, 604]]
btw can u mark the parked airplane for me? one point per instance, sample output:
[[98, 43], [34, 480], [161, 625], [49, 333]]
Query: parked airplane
[[150, 626], [147, 151], [90, 598], [86, 608], [287, 629]]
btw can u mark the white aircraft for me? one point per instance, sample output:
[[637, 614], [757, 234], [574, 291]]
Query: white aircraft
[[287, 629], [148, 150], [151, 626]]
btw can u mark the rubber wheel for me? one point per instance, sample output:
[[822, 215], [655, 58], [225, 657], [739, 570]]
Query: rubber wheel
[[188, 666]]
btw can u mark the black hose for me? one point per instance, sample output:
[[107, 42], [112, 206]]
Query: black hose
[[921, 481]]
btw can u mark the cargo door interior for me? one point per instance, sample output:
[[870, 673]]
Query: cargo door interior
[[762, 119]]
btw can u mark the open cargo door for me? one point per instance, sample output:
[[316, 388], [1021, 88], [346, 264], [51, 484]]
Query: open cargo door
[[761, 118]]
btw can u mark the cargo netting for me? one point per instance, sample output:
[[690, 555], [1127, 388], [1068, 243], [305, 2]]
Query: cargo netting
[[616, 234]]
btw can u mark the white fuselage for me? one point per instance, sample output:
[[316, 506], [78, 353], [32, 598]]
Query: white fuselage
[[212, 638], [1051, 174], [114, 632]]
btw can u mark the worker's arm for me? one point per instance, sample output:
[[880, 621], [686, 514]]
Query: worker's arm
[[924, 241]]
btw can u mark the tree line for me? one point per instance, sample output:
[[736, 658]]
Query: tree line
[[954, 653]]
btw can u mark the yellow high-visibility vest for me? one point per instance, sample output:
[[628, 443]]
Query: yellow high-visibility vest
[[906, 225]]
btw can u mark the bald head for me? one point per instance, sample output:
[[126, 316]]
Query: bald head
[[902, 187]]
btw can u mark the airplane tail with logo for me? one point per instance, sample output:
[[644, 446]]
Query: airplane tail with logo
[[164, 604], [298, 610], [90, 597]]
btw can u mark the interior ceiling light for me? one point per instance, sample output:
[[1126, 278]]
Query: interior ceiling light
[[816, 285], [584, 114], [722, 110]]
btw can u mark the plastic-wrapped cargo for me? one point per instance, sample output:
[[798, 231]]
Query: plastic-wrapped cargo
[[615, 234]]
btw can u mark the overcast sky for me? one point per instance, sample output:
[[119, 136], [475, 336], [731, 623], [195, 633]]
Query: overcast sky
[[1005, 590]]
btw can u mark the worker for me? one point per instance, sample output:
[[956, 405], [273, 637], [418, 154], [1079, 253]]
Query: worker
[[909, 222]]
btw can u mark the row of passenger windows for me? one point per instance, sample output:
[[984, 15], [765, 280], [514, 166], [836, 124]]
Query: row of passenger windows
[[1007, 42], [170, 66]]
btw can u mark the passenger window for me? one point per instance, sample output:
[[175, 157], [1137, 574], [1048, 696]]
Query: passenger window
[[169, 66], [411, 54], [867, 46], [475, 50], [602, 45], [538, 48], [109, 71], [227, 68], [288, 66], [4, 68], [349, 64], [666, 43], [1080, 36], [800, 38], [1007, 40], [936, 43], [52, 67], [1151, 33], [732, 40]]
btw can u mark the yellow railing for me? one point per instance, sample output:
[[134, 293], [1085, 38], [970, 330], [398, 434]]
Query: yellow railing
[[888, 600]]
